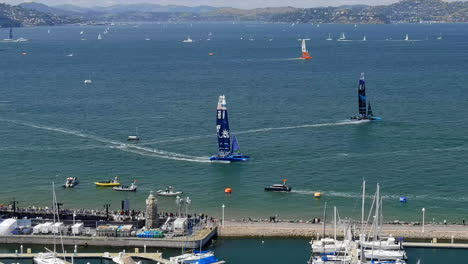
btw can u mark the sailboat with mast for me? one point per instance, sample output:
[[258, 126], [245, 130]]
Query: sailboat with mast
[[365, 110], [11, 39], [305, 53], [227, 152], [50, 257]]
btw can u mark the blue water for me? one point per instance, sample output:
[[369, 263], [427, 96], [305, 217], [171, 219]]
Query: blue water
[[289, 115], [271, 250]]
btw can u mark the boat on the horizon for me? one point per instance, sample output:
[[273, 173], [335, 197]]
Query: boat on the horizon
[[365, 110], [109, 183], [99, 37], [364, 38], [122, 188], [188, 40], [226, 152], [169, 191], [329, 37], [342, 37], [282, 187], [11, 39], [305, 53], [71, 182]]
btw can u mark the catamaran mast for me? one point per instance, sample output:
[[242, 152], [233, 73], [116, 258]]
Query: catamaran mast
[[11, 34], [362, 96], [222, 127]]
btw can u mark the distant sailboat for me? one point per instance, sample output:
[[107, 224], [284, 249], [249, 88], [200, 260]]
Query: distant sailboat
[[48, 31], [439, 37], [135, 137], [365, 110], [70, 55], [227, 152], [11, 39], [305, 53], [81, 32], [99, 37], [364, 38], [407, 37], [342, 37], [329, 37], [188, 40]]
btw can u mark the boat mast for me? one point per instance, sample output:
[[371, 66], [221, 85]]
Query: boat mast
[[377, 211], [222, 127], [363, 203], [362, 96], [324, 218], [11, 33], [334, 222]]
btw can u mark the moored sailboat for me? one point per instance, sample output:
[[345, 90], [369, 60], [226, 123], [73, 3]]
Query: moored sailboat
[[365, 110], [226, 151]]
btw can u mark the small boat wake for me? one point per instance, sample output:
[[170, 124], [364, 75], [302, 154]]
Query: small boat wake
[[116, 144]]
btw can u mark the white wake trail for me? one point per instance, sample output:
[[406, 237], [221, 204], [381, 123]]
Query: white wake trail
[[341, 123], [117, 145]]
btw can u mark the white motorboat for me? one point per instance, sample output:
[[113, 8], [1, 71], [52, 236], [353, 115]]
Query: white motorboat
[[385, 254], [389, 243], [198, 257], [134, 137], [124, 259], [169, 191], [71, 182], [326, 245], [88, 82], [48, 258], [188, 40], [131, 188]]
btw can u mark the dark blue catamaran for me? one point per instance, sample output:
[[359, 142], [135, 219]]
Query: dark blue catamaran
[[227, 152], [365, 110]]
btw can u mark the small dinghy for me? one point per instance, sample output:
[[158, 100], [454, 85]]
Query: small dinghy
[[131, 188], [71, 182], [278, 187], [169, 191]]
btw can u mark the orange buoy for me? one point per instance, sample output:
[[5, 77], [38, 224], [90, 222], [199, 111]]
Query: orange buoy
[[317, 194], [228, 190]]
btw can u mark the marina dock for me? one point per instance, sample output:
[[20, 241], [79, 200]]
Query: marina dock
[[197, 240], [156, 257]]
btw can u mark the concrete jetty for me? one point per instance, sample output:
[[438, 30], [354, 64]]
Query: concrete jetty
[[307, 230]]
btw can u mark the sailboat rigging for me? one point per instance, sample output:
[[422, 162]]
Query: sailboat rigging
[[226, 151], [365, 110], [305, 53]]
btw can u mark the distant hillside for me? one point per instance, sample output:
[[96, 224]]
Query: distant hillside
[[257, 14], [405, 11], [15, 16]]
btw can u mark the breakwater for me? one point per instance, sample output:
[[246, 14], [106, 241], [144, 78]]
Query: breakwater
[[307, 230]]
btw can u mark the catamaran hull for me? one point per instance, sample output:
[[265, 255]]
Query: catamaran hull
[[370, 118], [230, 158]]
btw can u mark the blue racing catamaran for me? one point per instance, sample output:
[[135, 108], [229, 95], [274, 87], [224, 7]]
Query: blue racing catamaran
[[227, 152], [365, 110]]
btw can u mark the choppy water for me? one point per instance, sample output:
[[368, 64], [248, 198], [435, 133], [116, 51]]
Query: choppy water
[[289, 116]]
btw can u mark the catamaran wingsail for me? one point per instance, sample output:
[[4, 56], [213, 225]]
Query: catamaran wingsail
[[305, 53], [365, 112], [227, 152]]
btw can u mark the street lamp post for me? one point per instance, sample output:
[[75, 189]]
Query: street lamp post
[[222, 223], [423, 215], [187, 203]]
